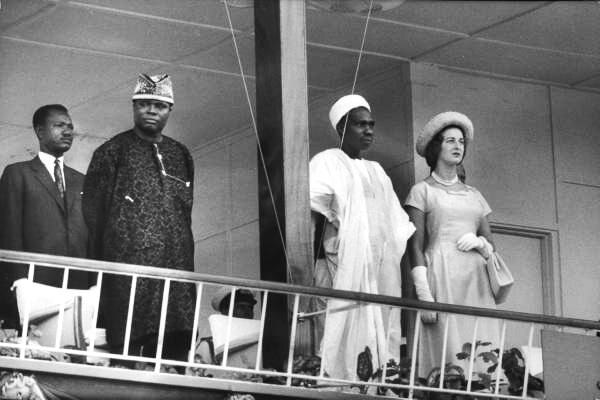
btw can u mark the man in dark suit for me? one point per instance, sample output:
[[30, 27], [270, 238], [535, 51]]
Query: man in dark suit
[[40, 209]]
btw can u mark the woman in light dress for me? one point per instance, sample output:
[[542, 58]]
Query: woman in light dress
[[449, 249]]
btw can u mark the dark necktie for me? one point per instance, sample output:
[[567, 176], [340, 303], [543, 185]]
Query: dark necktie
[[58, 178]]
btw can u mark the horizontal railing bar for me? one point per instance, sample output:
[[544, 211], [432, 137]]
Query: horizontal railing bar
[[121, 268], [197, 382], [332, 381]]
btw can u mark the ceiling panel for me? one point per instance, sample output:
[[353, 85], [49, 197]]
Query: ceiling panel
[[516, 61], [32, 75], [114, 33], [334, 29], [207, 106], [82, 149], [223, 57], [210, 12], [457, 16], [404, 41], [333, 69], [315, 93], [566, 26], [18, 11], [593, 83], [20, 146], [106, 115], [8, 132], [346, 31]]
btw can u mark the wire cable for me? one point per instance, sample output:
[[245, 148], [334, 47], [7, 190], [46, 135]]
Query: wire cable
[[362, 46], [260, 152], [360, 53]]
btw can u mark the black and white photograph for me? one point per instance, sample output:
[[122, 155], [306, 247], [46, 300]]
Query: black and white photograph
[[299, 199]]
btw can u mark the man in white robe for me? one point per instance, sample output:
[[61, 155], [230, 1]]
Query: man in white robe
[[364, 236]]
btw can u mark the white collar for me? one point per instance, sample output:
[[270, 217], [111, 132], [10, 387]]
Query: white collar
[[442, 181], [48, 161], [49, 158]]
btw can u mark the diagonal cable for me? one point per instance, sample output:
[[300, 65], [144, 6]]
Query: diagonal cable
[[362, 46], [260, 152], [360, 53]]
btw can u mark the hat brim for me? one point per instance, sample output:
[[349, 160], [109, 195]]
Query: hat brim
[[439, 123], [152, 97], [225, 292]]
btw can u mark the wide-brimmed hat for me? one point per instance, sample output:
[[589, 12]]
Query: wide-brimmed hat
[[438, 123], [224, 293], [344, 105], [155, 87]]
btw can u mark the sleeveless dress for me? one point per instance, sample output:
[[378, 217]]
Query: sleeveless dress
[[454, 276]]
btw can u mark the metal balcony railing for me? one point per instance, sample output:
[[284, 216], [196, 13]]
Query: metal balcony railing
[[398, 379]]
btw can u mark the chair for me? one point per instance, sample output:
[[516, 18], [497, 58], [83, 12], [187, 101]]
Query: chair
[[243, 341], [45, 303]]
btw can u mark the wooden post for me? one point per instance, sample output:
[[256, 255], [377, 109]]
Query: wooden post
[[282, 122]]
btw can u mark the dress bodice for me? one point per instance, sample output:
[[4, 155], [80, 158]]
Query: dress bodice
[[449, 213]]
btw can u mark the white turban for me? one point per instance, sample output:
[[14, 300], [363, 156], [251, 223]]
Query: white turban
[[344, 105]]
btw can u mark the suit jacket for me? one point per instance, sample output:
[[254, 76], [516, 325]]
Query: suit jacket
[[33, 217]]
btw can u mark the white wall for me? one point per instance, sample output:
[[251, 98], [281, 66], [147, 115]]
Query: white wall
[[225, 213], [576, 132]]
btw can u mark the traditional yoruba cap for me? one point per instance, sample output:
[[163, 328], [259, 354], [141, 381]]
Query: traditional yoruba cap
[[438, 123], [224, 293], [344, 105], [156, 87]]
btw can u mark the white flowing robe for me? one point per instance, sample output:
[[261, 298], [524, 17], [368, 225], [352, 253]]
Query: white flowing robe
[[364, 241]]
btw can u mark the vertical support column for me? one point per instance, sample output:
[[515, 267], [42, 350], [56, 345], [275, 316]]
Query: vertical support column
[[282, 122]]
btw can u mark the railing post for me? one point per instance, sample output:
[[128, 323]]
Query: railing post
[[61, 310], [472, 357], [499, 367], [30, 274], [387, 343], [261, 335], [527, 362], [413, 361], [129, 315], [192, 353], [229, 323], [290, 366], [444, 348], [96, 311], [161, 327]]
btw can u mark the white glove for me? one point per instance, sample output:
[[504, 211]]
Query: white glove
[[469, 241], [419, 276]]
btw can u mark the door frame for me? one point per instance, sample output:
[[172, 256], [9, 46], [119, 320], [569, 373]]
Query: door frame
[[550, 265]]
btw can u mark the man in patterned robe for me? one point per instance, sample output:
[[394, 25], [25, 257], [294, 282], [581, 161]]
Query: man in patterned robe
[[137, 203]]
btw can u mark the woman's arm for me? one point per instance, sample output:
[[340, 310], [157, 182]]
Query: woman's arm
[[486, 231], [417, 259], [416, 242]]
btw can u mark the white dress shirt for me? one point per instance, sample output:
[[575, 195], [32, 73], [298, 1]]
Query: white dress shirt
[[48, 161]]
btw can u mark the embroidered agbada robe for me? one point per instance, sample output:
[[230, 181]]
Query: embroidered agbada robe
[[137, 215], [365, 238]]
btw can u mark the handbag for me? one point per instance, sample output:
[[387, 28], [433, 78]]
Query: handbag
[[500, 277]]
